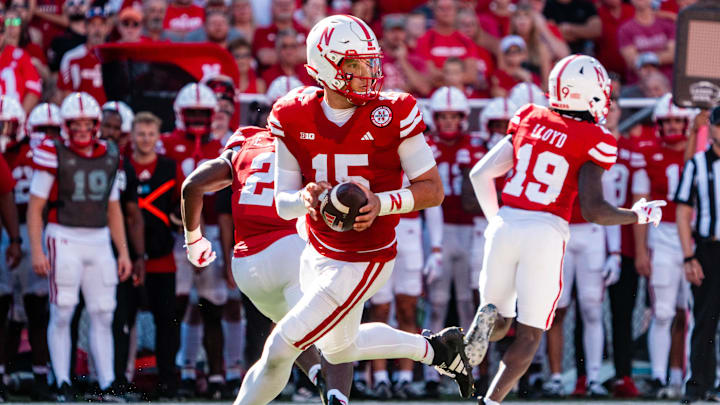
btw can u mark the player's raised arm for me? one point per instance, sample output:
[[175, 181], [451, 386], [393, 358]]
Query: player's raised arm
[[494, 164]]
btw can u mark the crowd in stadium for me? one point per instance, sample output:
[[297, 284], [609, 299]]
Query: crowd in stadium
[[446, 51]]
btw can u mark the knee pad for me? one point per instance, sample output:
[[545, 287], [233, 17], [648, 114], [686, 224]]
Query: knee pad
[[278, 352], [61, 316], [211, 313], [342, 356], [591, 313], [101, 318]]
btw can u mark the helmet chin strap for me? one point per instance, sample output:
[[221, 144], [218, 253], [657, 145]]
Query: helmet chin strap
[[672, 139], [449, 136]]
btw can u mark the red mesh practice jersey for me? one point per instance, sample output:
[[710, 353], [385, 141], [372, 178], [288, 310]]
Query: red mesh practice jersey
[[453, 160], [19, 77], [80, 71], [549, 150], [663, 169], [188, 153], [257, 224], [364, 150], [20, 160]]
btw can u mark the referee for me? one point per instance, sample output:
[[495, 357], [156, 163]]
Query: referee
[[699, 190]]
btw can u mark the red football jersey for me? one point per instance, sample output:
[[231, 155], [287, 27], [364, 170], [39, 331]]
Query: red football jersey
[[18, 76], [452, 161], [189, 153], [80, 71], [257, 224], [663, 171], [20, 160], [549, 150], [184, 18], [6, 180], [364, 150]]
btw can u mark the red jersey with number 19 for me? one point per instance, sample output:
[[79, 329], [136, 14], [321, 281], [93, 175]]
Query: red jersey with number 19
[[363, 150], [257, 224], [549, 150]]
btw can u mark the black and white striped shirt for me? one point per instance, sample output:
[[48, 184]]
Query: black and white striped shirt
[[699, 187]]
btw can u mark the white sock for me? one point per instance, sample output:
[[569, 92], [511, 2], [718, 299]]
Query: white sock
[[676, 376], [659, 341], [191, 342], [377, 340], [313, 373], [489, 401], [339, 395], [216, 378], [59, 342], [101, 346], [233, 343], [556, 376], [380, 376], [593, 338], [404, 376]]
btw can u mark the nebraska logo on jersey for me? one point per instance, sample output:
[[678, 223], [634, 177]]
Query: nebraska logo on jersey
[[381, 116]]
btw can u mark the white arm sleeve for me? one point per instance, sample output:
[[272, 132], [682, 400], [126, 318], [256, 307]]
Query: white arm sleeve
[[115, 191], [641, 182], [41, 184], [288, 184], [494, 164], [434, 224], [612, 232], [416, 157]]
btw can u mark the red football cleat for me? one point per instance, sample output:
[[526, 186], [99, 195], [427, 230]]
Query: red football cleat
[[625, 388], [580, 387]]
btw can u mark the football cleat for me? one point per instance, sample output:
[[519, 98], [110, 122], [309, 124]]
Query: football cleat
[[450, 358], [478, 338], [596, 390]]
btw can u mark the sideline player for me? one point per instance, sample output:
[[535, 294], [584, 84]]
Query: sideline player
[[556, 154], [265, 264], [43, 122], [76, 179], [340, 271], [658, 254]]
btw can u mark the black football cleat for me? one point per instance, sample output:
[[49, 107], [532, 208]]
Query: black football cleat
[[477, 339], [322, 388], [450, 358]]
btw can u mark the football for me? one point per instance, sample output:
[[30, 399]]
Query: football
[[341, 205]]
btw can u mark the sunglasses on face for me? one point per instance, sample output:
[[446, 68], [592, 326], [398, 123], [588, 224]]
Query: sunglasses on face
[[130, 23], [13, 22], [242, 55]]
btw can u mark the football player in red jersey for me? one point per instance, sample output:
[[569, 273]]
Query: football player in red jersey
[[190, 144], [43, 122], [658, 254], [76, 178], [15, 147], [556, 154], [348, 131], [265, 263]]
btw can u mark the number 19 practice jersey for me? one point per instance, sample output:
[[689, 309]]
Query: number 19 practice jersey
[[549, 150]]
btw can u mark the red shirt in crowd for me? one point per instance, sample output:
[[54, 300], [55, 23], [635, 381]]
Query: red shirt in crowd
[[607, 50], [437, 47], [252, 87], [495, 25], [393, 77], [275, 71], [651, 38], [184, 18], [18, 76], [80, 71], [507, 82], [49, 30]]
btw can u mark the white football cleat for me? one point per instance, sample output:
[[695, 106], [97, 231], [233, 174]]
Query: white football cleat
[[477, 340]]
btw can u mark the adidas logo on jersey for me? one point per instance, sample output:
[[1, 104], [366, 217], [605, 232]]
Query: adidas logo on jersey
[[307, 135], [367, 137]]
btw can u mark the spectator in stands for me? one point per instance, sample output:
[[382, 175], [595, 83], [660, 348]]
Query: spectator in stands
[[242, 18], [249, 80], [403, 71], [216, 30], [524, 25], [652, 84], [216, 5], [47, 21], [17, 35], [647, 33], [367, 10], [551, 33], [443, 40], [496, 20], [453, 74], [157, 176], [467, 24], [612, 13], [290, 57], [20, 79], [182, 17], [511, 68], [128, 27], [415, 28], [311, 12], [80, 67], [264, 39], [74, 12], [577, 20], [153, 17]]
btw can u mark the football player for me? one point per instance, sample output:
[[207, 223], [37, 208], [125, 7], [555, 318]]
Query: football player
[[43, 122], [190, 144], [116, 125], [15, 147], [76, 179], [347, 131], [556, 154], [658, 255]]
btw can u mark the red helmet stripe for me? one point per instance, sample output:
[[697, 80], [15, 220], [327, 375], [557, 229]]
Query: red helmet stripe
[[49, 114], [562, 69], [365, 30], [81, 103]]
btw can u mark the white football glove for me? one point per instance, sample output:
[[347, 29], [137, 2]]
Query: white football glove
[[200, 252], [433, 267], [611, 269], [648, 211]]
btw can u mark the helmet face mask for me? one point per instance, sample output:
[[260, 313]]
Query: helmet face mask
[[81, 116], [362, 76], [448, 124], [673, 129], [195, 107], [672, 122], [82, 131], [198, 122], [9, 134]]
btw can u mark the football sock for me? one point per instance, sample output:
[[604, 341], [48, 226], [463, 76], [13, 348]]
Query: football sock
[[59, 341], [233, 347], [676, 376], [339, 395], [192, 336], [101, 346], [404, 376], [659, 341], [380, 376], [593, 338], [313, 373]]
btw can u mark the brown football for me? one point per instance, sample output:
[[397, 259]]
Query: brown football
[[341, 205]]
